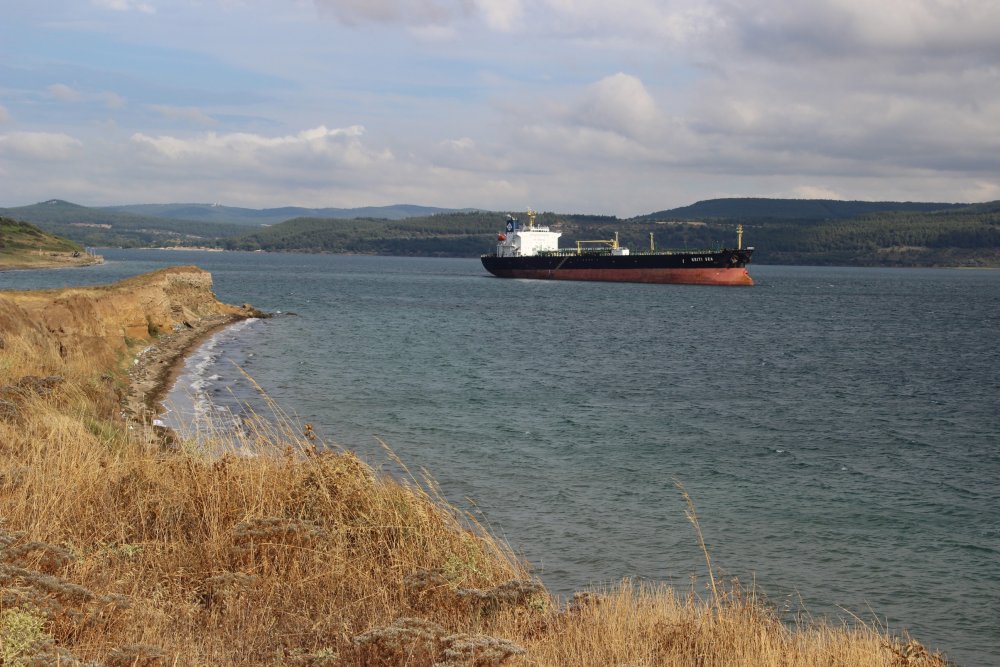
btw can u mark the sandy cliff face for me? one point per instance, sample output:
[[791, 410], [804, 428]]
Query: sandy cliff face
[[93, 326]]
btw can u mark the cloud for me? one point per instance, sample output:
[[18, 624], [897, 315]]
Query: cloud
[[760, 28], [619, 107], [337, 147], [843, 27], [815, 192], [632, 24], [619, 103], [125, 6], [595, 21], [64, 93], [614, 120], [501, 15], [406, 12], [5, 116], [44, 146]]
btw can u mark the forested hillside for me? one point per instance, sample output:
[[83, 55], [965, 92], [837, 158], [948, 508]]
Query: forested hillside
[[968, 236], [445, 234], [782, 231], [956, 236]]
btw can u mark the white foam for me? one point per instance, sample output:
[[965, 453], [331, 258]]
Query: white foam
[[191, 392]]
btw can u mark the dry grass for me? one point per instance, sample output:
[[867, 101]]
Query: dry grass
[[258, 549]]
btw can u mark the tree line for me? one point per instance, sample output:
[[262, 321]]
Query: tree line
[[785, 232]]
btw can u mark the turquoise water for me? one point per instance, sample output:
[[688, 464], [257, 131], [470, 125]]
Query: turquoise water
[[838, 428]]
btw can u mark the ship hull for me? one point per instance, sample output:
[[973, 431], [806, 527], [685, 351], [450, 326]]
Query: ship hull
[[726, 267]]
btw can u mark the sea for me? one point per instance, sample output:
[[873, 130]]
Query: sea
[[838, 429]]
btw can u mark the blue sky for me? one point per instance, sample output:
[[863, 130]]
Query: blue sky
[[566, 105]]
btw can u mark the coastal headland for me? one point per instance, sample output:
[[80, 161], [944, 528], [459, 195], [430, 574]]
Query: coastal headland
[[270, 547], [24, 246], [48, 260]]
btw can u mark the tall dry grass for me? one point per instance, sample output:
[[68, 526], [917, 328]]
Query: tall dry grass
[[260, 547]]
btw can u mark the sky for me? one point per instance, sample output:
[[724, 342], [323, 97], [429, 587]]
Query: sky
[[574, 106]]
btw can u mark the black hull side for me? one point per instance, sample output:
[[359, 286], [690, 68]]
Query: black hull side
[[725, 267]]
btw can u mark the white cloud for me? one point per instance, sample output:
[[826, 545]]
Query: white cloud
[[460, 145], [4, 114], [619, 103], [125, 6], [335, 147], [45, 146], [815, 192], [614, 121], [406, 12], [64, 93], [502, 15]]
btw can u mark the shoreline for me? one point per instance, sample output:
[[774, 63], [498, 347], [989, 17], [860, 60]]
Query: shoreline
[[60, 262], [156, 368]]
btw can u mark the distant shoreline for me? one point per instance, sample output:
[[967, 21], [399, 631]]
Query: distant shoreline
[[49, 260], [180, 247]]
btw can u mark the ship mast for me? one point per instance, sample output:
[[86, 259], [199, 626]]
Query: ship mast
[[739, 237]]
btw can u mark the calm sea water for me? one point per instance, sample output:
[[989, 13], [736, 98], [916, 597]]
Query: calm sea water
[[838, 429]]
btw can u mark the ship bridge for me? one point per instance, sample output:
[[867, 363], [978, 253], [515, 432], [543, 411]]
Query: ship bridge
[[519, 241]]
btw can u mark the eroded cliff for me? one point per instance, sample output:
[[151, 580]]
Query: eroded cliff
[[96, 327]]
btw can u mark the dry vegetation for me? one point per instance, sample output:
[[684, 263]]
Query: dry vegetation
[[264, 548]]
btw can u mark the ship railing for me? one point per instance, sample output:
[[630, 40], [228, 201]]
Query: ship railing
[[675, 251], [567, 252], [571, 252]]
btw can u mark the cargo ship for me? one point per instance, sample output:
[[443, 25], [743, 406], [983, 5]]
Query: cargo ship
[[533, 251]]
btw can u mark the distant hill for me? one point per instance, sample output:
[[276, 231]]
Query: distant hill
[[104, 227], [885, 234], [444, 234], [182, 224], [801, 209], [784, 231], [270, 216]]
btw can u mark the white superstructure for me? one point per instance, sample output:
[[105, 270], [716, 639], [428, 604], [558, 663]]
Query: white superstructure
[[527, 241]]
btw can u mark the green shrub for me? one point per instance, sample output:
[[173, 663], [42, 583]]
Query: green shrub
[[22, 635]]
